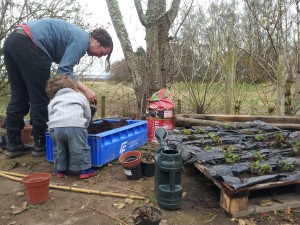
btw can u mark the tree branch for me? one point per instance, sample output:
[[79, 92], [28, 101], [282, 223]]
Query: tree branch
[[140, 12]]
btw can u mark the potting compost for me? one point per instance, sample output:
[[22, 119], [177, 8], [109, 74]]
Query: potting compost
[[241, 154], [105, 125]]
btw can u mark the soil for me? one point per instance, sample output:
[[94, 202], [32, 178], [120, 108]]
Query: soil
[[200, 199], [106, 125]]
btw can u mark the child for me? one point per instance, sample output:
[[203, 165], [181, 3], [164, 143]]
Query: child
[[69, 117]]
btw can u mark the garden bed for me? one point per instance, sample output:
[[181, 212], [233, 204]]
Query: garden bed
[[240, 158], [241, 154]]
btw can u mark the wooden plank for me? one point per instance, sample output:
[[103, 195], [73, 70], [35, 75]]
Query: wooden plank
[[232, 191], [237, 203], [279, 202], [234, 204]]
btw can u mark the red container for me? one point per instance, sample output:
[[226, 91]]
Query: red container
[[26, 134], [154, 123], [37, 187]]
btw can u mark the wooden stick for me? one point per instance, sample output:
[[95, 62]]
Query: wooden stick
[[10, 177], [66, 188], [126, 189], [13, 174], [98, 210]]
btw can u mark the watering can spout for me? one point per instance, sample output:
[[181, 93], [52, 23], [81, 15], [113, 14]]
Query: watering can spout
[[161, 134]]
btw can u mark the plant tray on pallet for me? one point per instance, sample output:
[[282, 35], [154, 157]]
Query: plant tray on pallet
[[109, 145], [277, 195]]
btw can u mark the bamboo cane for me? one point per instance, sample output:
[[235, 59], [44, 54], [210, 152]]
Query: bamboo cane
[[12, 176]]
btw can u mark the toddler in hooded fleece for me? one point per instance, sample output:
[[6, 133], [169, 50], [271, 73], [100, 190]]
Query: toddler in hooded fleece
[[69, 117]]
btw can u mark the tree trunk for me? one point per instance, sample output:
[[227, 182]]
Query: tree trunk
[[157, 22], [131, 59]]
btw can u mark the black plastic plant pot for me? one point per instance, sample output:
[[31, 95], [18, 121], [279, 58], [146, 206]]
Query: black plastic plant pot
[[148, 169], [146, 215], [93, 112]]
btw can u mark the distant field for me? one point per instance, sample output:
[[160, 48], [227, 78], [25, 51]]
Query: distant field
[[120, 98]]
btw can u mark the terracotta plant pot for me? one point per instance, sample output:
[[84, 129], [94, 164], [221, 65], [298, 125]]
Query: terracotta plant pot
[[37, 187], [26, 134], [131, 163]]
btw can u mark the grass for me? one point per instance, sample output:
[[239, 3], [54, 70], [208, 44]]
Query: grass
[[252, 99]]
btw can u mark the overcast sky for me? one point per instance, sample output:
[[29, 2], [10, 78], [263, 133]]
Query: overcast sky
[[101, 17], [134, 28]]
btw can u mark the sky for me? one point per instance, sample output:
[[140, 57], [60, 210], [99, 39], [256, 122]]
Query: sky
[[100, 17]]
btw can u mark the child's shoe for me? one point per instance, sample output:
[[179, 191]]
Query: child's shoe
[[60, 173], [87, 173]]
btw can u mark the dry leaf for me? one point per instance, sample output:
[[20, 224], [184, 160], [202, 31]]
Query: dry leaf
[[12, 223], [287, 211], [129, 201], [20, 193], [17, 210], [265, 202], [184, 194], [246, 222], [119, 205]]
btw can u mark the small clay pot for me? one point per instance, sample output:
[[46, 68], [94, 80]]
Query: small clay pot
[[37, 187], [26, 134]]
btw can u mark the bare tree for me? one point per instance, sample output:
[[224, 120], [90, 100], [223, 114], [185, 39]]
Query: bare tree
[[157, 20]]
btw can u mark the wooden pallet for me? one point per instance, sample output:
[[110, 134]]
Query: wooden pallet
[[237, 203]]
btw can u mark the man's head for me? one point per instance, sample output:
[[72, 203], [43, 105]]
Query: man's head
[[101, 44]]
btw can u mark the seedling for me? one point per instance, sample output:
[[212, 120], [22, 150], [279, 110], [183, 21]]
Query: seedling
[[257, 156], [207, 148], [295, 150], [186, 131], [229, 126], [230, 157], [259, 137], [199, 131], [279, 137], [284, 166], [215, 138], [254, 166], [264, 169], [201, 140], [192, 137]]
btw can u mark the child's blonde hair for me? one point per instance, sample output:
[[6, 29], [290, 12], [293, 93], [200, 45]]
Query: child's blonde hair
[[57, 82]]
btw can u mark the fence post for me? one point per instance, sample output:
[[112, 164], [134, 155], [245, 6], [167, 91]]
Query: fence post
[[103, 106], [178, 107]]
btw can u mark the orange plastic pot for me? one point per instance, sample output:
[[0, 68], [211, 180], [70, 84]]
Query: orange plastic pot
[[37, 187], [131, 163], [130, 159]]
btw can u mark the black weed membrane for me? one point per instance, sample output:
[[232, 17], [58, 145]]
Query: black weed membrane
[[241, 154]]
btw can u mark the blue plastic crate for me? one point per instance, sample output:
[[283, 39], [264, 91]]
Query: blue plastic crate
[[108, 146]]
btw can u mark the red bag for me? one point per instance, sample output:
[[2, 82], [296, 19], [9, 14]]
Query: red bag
[[161, 104]]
